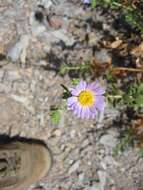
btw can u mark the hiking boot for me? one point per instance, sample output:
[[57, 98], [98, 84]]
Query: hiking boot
[[22, 164]]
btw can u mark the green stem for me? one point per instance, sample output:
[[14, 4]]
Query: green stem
[[66, 89], [114, 96], [76, 67]]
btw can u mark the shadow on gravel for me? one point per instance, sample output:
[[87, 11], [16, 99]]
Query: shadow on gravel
[[5, 139]]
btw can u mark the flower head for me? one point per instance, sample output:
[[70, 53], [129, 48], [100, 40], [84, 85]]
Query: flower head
[[86, 99]]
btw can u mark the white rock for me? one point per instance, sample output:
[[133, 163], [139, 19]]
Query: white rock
[[74, 167], [85, 143], [103, 56], [111, 112], [13, 75], [40, 117], [102, 177], [95, 186], [114, 132], [81, 177], [36, 28], [103, 165], [1, 74], [19, 49], [25, 101], [110, 161], [108, 140], [57, 132], [73, 133], [100, 119], [65, 36], [41, 63], [46, 3]]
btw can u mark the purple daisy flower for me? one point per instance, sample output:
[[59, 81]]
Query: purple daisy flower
[[86, 99]]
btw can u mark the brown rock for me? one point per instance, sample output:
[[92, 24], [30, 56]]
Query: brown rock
[[55, 22]]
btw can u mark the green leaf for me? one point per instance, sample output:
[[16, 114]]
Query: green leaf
[[63, 69], [141, 152], [93, 3], [66, 93], [139, 101], [75, 81], [55, 116], [124, 142], [140, 89], [138, 96]]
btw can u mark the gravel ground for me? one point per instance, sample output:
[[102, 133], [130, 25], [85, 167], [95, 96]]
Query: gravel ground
[[30, 44]]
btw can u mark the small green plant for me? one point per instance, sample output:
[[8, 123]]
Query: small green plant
[[134, 96], [55, 115], [75, 81], [125, 141], [93, 3], [56, 111], [131, 96], [131, 15], [64, 69], [141, 152]]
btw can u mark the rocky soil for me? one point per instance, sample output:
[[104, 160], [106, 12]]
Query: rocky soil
[[36, 38]]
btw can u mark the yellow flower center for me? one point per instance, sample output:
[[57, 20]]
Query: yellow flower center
[[86, 98]]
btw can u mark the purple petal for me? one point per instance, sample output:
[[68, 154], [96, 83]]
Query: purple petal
[[88, 115], [95, 86], [72, 107], [99, 103], [83, 113], [77, 109], [93, 112], [99, 91], [86, 1], [71, 102], [80, 87], [75, 92]]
